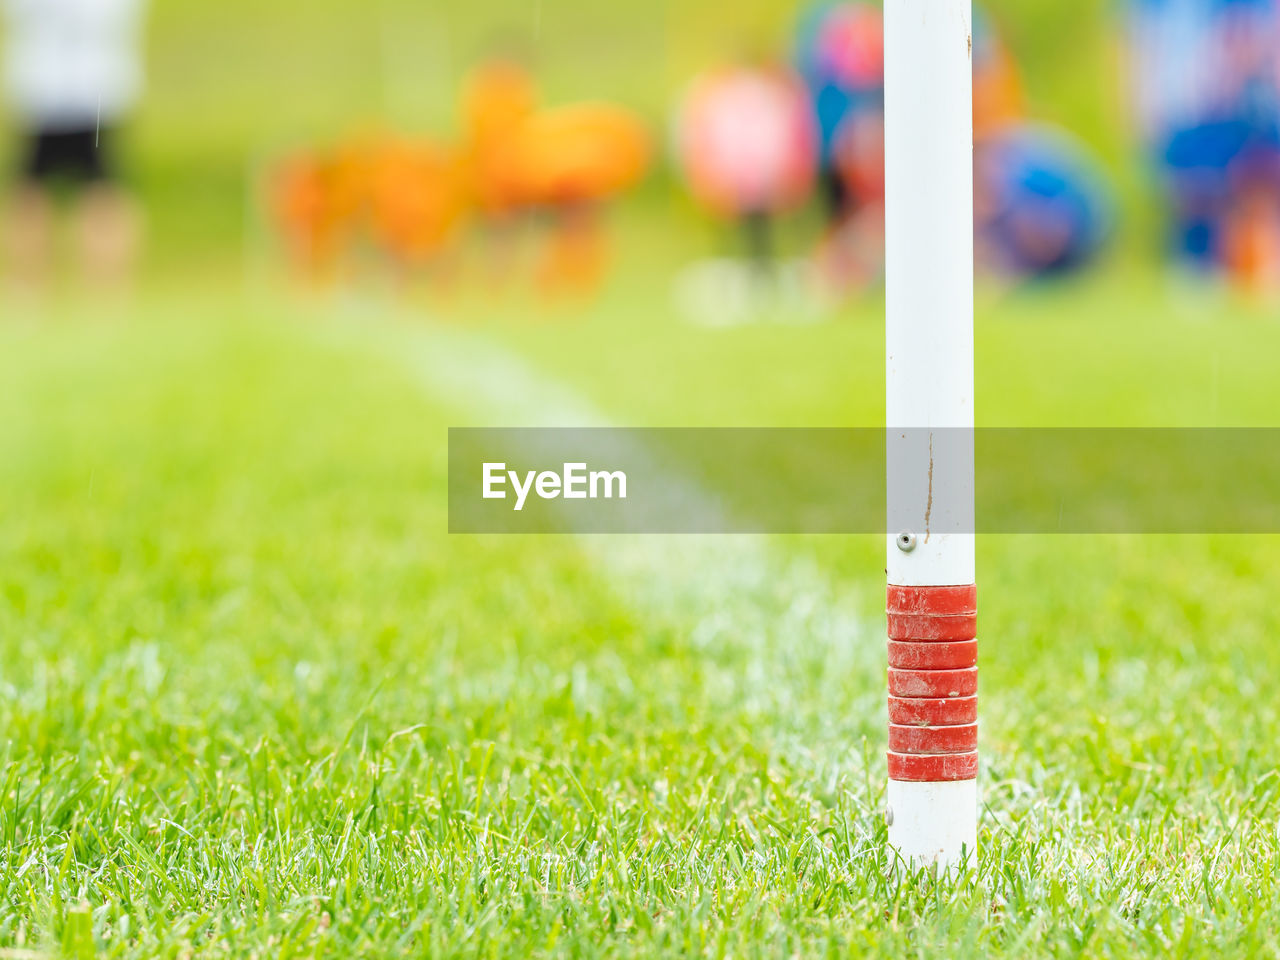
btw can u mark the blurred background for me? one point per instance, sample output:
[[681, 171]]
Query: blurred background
[[345, 144]]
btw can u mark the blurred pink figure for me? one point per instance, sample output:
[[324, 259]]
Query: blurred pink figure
[[748, 144], [73, 72]]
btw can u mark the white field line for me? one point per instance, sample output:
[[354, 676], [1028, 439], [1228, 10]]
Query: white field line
[[735, 591]]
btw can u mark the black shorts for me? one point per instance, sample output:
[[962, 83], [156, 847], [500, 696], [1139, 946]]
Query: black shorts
[[74, 156]]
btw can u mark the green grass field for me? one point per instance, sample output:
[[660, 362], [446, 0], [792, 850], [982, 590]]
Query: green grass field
[[256, 701]]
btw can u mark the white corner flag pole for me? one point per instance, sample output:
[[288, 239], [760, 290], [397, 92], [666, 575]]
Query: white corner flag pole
[[932, 799]]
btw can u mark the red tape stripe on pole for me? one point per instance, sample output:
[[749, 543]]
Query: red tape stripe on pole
[[933, 682]]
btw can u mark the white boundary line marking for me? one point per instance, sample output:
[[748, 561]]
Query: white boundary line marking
[[735, 591]]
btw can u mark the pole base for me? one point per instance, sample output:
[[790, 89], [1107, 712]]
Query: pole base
[[933, 823]]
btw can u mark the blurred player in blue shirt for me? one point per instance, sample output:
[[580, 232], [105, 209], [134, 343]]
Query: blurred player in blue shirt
[[1207, 79], [1040, 208]]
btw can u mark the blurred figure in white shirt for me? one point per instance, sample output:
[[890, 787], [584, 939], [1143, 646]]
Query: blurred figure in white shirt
[[73, 71]]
